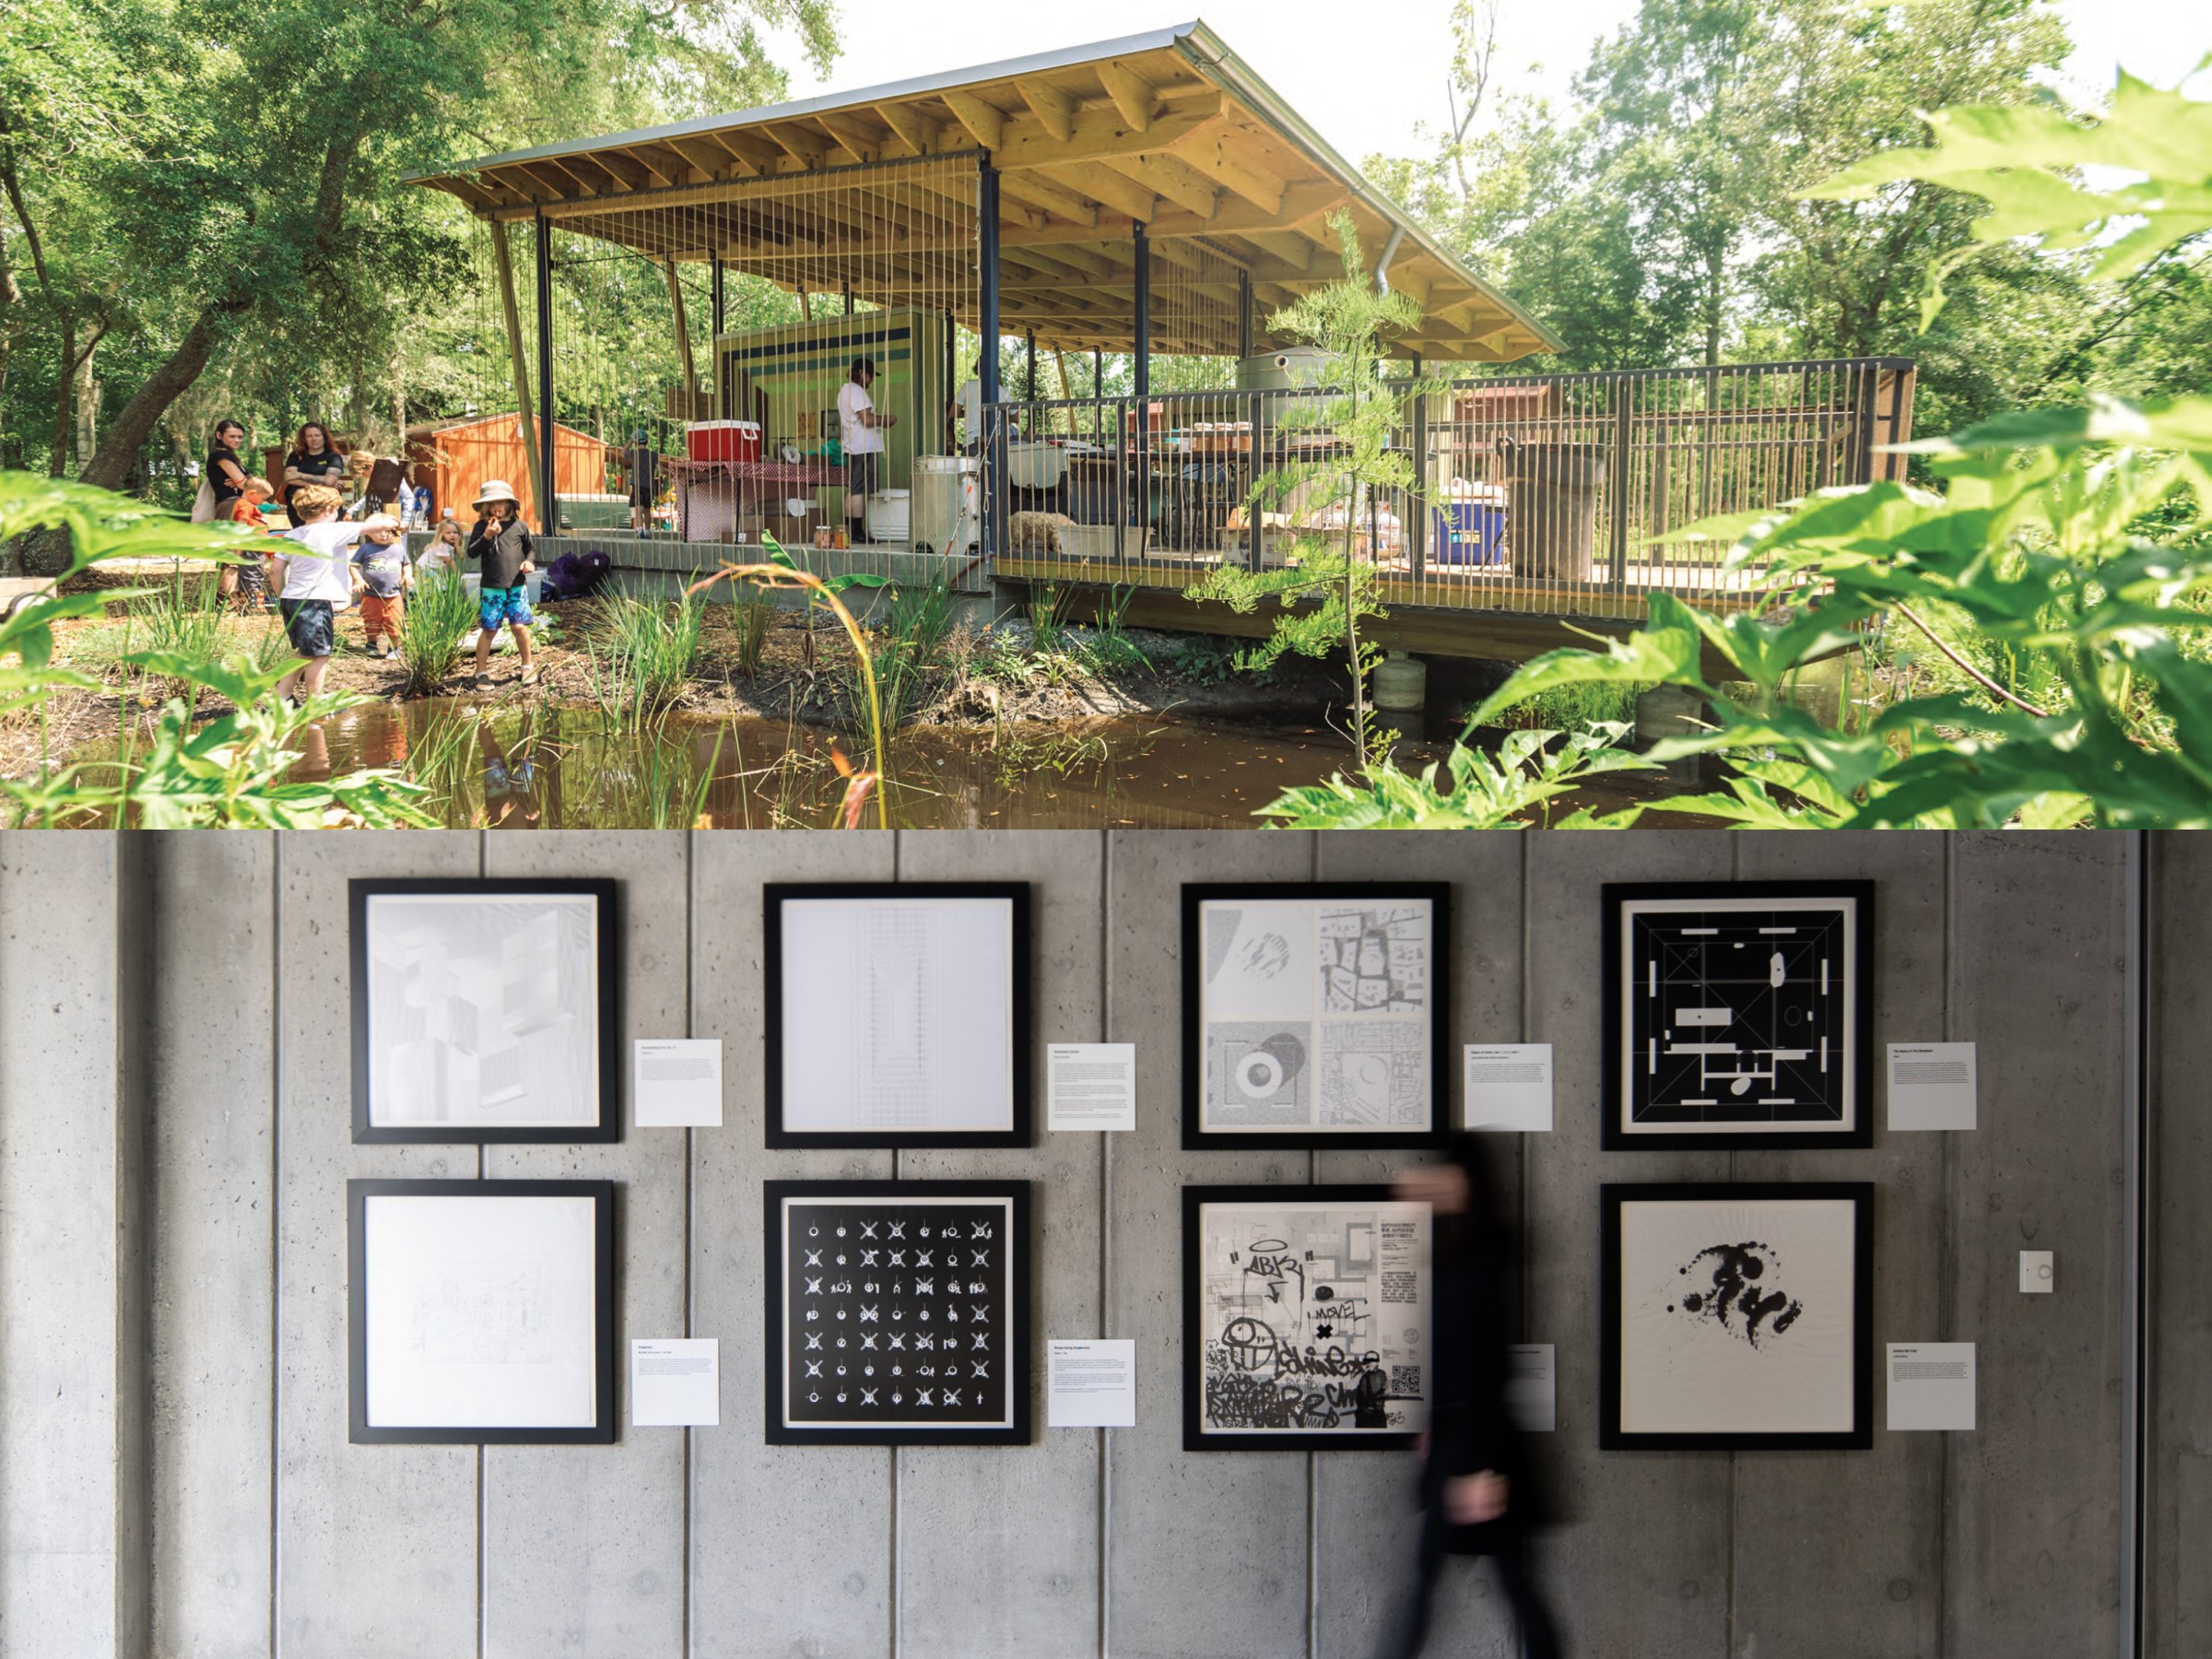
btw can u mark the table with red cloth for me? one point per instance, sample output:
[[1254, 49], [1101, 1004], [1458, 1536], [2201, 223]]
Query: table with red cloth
[[712, 496]]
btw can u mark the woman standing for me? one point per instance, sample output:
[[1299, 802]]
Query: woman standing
[[227, 482], [1476, 1495], [314, 459]]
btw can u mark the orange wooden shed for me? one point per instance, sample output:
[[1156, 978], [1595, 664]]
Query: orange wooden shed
[[453, 458]]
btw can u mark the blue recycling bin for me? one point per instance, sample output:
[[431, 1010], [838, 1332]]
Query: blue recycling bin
[[1467, 533]]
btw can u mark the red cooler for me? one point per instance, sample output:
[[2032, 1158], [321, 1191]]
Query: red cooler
[[723, 440]]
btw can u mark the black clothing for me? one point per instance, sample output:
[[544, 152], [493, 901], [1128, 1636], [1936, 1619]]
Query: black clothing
[[226, 489], [1538, 1638], [502, 551], [644, 474], [320, 468]]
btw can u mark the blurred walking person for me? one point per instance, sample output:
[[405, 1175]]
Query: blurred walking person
[[1476, 1495]]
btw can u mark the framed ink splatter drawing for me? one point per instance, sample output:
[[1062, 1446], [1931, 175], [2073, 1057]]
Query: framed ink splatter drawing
[[1736, 1315], [1310, 1014], [1305, 1318], [1738, 1016], [898, 1313]]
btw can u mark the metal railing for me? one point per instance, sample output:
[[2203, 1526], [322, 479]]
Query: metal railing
[[1544, 493]]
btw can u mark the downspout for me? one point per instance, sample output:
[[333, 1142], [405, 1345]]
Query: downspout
[[1390, 251]]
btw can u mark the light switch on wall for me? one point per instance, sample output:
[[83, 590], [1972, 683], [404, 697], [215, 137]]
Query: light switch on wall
[[2039, 1272]]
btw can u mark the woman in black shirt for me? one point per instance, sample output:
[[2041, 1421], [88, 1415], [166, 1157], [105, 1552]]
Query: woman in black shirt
[[226, 477], [314, 460]]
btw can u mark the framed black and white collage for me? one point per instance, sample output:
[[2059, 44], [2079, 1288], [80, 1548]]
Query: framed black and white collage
[[898, 1313], [1736, 1316], [898, 1014], [485, 1010], [1312, 1014], [482, 1313], [1738, 1015], [1306, 1318]]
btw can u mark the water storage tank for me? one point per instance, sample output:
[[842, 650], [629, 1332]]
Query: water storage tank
[[1292, 366]]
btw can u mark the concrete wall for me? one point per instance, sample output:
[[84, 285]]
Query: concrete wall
[[271, 1535]]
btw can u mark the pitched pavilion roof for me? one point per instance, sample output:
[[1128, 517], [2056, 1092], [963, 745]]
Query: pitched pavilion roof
[[1169, 129]]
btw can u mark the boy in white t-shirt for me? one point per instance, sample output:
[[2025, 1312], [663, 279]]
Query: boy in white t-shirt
[[316, 582], [860, 431]]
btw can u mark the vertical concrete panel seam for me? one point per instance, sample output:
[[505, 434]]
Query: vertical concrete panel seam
[[690, 1200], [1105, 1441], [134, 1244], [1947, 1276], [276, 1245]]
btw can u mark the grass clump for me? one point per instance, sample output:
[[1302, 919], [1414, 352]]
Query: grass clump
[[439, 614], [644, 657], [752, 615], [910, 647]]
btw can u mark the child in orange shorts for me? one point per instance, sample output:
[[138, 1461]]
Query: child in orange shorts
[[382, 569]]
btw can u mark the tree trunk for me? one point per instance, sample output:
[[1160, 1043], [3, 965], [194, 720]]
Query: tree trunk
[[112, 463], [87, 407], [65, 386]]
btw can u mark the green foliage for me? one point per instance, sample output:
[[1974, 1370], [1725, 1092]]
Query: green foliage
[[642, 660], [439, 611], [1508, 790], [1576, 708], [909, 647], [1325, 590], [752, 615]]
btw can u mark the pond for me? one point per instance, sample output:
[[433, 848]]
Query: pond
[[552, 768]]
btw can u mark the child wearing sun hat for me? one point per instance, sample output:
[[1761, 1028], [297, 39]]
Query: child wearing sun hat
[[503, 541]]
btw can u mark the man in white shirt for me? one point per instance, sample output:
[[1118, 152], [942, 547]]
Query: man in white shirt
[[860, 431]]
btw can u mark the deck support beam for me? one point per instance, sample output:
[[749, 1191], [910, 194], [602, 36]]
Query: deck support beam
[[994, 444], [549, 503], [1243, 314]]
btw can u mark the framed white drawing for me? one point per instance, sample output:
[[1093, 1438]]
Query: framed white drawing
[[898, 1014], [1738, 1016], [1311, 1014], [1305, 1318], [1736, 1316], [481, 1312], [485, 1010]]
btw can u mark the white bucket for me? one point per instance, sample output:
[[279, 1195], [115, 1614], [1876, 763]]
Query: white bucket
[[1035, 466]]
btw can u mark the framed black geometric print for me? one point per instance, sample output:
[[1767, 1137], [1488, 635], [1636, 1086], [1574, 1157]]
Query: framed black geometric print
[[898, 1014], [482, 1313], [485, 1010], [1738, 1015], [1312, 1014], [898, 1313], [1736, 1316], [1306, 1318]]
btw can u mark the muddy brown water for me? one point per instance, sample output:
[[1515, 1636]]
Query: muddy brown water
[[550, 767]]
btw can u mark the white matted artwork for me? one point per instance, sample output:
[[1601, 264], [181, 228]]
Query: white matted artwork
[[1736, 1315], [480, 1310], [897, 1015], [480, 1008], [1310, 1014], [1306, 1317]]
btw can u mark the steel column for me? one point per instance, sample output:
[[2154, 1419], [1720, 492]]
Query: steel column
[[549, 500], [1416, 510], [1243, 314], [994, 445]]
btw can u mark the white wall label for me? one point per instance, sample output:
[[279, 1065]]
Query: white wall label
[[1931, 1385], [1090, 1086], [1931, 1085], [674, 1382], [676, 1082], [1532, 1387], [1090, 1385], [1508, 1086]]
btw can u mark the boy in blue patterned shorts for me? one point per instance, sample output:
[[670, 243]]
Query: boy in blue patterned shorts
[[503, 541]]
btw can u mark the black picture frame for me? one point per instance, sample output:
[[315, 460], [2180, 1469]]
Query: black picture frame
[[1020, 1058], [1201, 1131], [359, 1267], [1858, 1436], [1630, 1122], [880, 1421], [607, 1005], [1196, 1436]]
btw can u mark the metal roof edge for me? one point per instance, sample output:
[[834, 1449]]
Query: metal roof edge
[[1211, 53], [918, 86]]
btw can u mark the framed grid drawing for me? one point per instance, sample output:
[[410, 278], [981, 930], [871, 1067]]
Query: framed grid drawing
[[482, 1313], [898, 1014], [485, 1010], [1738, 1015], [1311, 1014], [1306, 1318], [1736, 1316], [898, 1313]]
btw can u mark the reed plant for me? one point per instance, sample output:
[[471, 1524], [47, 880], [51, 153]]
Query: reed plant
[[439, 611], [752, 615], [910, 648], [645, 656]]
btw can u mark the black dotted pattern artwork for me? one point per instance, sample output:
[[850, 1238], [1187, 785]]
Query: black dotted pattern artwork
[[897, 1313]]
